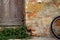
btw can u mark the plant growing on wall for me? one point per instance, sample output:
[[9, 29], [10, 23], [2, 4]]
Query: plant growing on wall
[[11, 33]]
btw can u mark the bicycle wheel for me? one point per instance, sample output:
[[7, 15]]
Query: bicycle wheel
[[55, 27]]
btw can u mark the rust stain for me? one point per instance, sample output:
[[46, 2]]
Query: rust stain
[[45, 29], [37, 25], [32, 0], [33, 34], [33, 31], [28, 27], [31, 15]]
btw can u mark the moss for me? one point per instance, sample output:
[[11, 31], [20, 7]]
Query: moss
[[11, 33]]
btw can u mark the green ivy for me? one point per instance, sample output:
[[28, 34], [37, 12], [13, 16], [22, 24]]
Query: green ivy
[[11, 33]]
